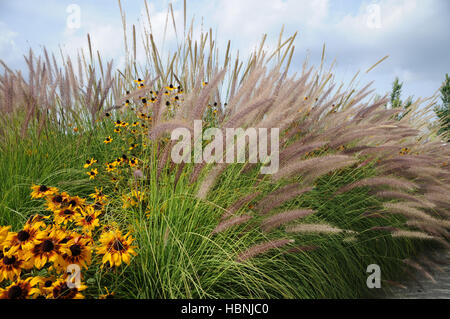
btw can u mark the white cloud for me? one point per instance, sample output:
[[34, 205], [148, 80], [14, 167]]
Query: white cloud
[[8, 47]]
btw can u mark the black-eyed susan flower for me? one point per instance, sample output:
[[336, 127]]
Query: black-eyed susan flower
[[24, 239], [170, 87], [89, 162], [99, 195], [47, 248], [20, 289], [132, 146], [66, 215], [133, 162], [89, 218], [138, 81], [60, 290], [108, 140], [76, 202], [134, 124], [11, 265], [43, 284], [110, 167], [117, 130], [92, 173], [76, 251], [116, 248], [40, 191], [57, 201]]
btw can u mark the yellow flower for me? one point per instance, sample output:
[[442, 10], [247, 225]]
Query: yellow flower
[[11, 265], [133, 162], [110, 167], [117, 130], [98, 195], [89, 218], [60, 290], [108, 140], [76, 251], [40, 191], [92, 173], [20, 289], [89, 163], [23, 240], [47, 247], [65, 215], [116, 248]]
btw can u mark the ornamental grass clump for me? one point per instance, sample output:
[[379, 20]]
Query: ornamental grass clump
[[355, 185]]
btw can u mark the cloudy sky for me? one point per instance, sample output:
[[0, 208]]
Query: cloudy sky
[[357, 33]]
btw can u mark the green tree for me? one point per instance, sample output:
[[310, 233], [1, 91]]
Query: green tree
[[396, 101], [443, 111]]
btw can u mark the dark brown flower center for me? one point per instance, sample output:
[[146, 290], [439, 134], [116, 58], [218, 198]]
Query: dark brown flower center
[[89, 218], [75, 250], [48, 283], [73, 202], [14, 292], [9, 260], [23, 235], [47, 246], [117, 245], [43, 188], [58, 199]]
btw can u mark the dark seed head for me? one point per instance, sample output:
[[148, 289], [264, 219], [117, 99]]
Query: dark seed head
[[118, 246], [9, 260], [23, 235], [14, 292], [75, 250], [48, 283], [88, 218], [47, 246], [43, 188]]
